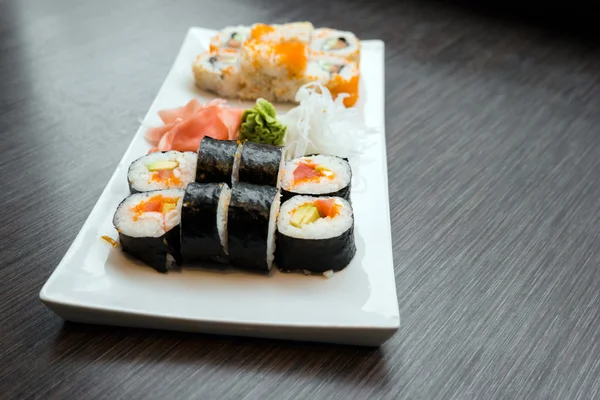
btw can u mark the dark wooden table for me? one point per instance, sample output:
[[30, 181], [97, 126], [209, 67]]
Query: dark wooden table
[[494, 168]]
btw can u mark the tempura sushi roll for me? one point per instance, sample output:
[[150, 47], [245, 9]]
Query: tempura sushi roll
[[293, 31], [218, 72], [318, 175], [336, 43], [230, 38], [204, 222], [315, 234], [215, 160], [148, 226], [260, 164], [252, 217], [162, 170]]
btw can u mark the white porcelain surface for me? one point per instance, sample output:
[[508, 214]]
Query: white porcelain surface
[[95, 283]]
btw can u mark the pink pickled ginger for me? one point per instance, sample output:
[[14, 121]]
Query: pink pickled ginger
[[184, 127]]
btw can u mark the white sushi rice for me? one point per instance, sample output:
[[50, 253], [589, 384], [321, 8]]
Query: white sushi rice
[[281, 169], [341, 178], [344, 68], [323, 228], [300, 31], [218, 73], [140, 177], [271, 239], [323, 35], [235, 169], [222, 210], [149, 224], [328, 274], [225, 38]]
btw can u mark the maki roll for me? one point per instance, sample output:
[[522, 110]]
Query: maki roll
[[204, 222], [162, 170], [315, 234], [252, 216], [218, 72], [148, 225], [260, 164], [318, 175], [215, 160], [336, 43]]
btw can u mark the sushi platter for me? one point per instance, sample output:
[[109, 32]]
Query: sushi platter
[[253, 199]]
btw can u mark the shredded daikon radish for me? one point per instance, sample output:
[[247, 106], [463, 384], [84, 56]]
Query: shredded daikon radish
[[322, 125]]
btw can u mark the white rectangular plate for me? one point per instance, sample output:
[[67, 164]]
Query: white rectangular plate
[[95, 283]]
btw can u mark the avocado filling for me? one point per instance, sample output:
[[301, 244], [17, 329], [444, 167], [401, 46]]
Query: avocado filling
[[162, 165], [305, 215]]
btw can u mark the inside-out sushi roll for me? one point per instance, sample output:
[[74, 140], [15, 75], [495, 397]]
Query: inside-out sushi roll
[[251, 224], [342, 76], [260, 58], [148, 226], [336, 43], [293, 31], [318, 175], [230, 38], [260, 164], [204, 222], [315, 234], [218, 72], [215, 160], [162, 170]]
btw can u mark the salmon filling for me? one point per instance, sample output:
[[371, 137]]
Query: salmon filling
[[158, 203], [310, 172], [308, 213], [166, 176]]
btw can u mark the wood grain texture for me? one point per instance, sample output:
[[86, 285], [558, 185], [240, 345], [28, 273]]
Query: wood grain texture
[[494, 170]]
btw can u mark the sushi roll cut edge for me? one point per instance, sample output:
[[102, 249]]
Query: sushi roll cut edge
[[218, 72], [148, 227], [162, 170], [333, 178], [309, 241]]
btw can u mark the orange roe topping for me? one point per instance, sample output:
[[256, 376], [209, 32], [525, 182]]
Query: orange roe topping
[[293, 55], [110, 240], [166, 176], [260, 30], [227, 71], [157, 203], [341, 85]]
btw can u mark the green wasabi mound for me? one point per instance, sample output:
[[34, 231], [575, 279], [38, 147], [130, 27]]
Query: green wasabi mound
[[260, 124]]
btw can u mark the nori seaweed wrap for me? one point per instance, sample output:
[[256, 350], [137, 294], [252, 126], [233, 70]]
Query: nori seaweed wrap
[[215, 160], [148, 226], [260, 164], [203, 222], [308, 240], [251, 223]]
